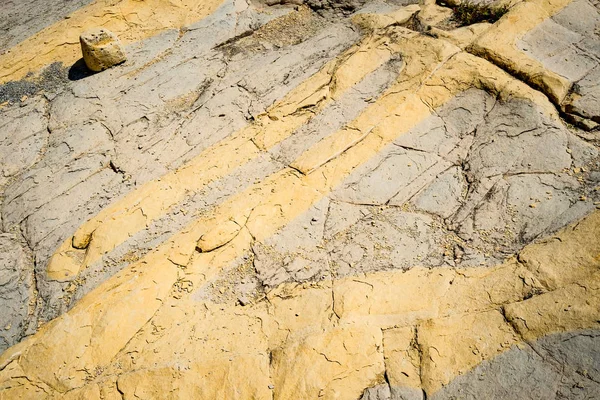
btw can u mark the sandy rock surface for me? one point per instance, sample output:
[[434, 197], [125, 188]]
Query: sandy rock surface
[[325, 199], [101, 49]]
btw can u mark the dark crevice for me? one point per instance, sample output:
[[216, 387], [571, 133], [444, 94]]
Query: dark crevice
[[469, 13]]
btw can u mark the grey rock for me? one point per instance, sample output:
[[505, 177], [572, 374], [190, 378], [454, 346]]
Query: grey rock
[[559, 366], [342, 215], [569, 45], [23, 137], [16, 290], [385, 392], [580, 16], [379, 392], [473, 167], [587, 102], [444, 196], [339, 113], [516, 138], [580, 351], [381, 178], [391, 239], [178, 217], [483, 166], [24, 18], [268, 266], [296, 252], [103, 135]]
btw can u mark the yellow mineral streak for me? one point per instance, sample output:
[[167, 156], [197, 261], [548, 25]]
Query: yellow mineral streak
[[371, 22], [130, 20], [499, 44], [116, 223], [143, 333], [401, 356], [312, 331], [330, 339], [464, 36]]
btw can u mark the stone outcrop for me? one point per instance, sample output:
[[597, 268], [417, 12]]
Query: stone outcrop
[[335, 200], [555, 50]]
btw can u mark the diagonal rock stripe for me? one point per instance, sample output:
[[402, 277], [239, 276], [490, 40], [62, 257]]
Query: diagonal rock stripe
[[253, 215], [136, 210], [160, 329], [554, 50], [131, 20], [330, 310], [499, 44]]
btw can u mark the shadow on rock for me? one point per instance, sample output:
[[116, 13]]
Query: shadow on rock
[[79, 71]]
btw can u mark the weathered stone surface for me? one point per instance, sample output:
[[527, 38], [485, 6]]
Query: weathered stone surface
[[557, 49], [389, 239], [22, 19], [333, 200], [557, 366], [130, 20], [446, 340], [385, 392], [101, 49], [23, 139], [444, 195], [17, 290], [402, 357], [311, 366]]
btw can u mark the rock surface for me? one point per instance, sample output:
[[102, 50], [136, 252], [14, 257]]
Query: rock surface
[[344, 199], [101, 49], [24, 18]]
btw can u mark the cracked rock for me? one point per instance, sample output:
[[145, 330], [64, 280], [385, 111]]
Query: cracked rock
[[16, 290]]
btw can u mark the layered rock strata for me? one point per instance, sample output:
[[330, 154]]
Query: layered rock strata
[[349, 200]]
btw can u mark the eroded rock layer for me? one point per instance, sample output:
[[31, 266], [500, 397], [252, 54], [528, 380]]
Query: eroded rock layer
[[355, 200]]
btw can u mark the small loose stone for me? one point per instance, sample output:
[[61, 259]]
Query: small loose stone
[[101, 49]]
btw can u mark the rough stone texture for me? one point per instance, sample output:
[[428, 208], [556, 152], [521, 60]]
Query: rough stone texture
[[569, 44], [556, 50], [101, 49], [443, 196], [17, 290], [560, 366], [130, 20], [386, 392], [24, 140], [24, 18], [298, 201], [88, 160]]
